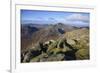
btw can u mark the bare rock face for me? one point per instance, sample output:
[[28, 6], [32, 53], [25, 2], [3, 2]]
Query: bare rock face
[[71, 42]]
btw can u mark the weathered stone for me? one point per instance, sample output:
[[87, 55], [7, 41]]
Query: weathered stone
[[82, 54]]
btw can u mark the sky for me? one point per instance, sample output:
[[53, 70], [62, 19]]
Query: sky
[[54, 17]]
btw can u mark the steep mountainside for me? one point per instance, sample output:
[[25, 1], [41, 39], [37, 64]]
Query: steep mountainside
[[26, 33], [52, 32], [35, 33]]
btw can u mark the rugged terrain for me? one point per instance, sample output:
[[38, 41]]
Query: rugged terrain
[[32, 34], [54, 43]]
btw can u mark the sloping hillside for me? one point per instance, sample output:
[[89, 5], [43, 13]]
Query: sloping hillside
[[72, 45], [33, 34]]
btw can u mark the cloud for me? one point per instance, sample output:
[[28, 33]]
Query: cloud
[[78, 20], [78, 17], [78, 23]]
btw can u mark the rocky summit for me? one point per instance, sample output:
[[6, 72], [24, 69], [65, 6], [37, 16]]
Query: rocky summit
[[70, 45]]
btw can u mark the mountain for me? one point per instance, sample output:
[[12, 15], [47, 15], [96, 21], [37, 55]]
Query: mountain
[[32, 34], [26, 33], [27, 30], [71, 45], [52, 32]]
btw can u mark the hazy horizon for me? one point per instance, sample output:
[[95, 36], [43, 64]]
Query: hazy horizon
[[54, 17]]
